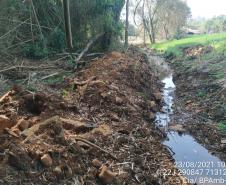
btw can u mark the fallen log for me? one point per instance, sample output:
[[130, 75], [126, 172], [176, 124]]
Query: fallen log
[[88, 46]]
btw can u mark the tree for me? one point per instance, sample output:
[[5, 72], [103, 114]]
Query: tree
[[127, 23], [67, 22], [26, 28], [162, 17], [173, 15], [216, 24], [148, 14]]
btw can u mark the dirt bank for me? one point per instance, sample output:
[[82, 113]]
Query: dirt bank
[[97, 127], [200, 100]]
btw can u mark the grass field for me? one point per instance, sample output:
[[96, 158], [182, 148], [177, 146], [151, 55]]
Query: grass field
[[218, 41]]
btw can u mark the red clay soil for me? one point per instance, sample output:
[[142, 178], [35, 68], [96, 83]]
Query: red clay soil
[[101, 131]]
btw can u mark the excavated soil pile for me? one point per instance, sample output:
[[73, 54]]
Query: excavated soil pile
[[100, 131]]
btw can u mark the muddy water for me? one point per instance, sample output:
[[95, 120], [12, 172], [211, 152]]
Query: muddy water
[[192, 159]]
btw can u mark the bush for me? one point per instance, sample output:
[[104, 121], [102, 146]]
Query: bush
[[35, 49]]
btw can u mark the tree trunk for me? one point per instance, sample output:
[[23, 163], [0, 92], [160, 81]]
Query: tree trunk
[[67, 22], [166, 32], [144, 22], [152, 33], [144, 41], [127, 24]]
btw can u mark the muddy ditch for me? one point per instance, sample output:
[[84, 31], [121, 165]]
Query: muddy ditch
[[191, 123], [201, 99], [101, 130]]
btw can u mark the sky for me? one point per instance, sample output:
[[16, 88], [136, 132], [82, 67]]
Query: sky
[[207, 8]]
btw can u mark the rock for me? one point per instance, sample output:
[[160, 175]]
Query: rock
[[104, 94], [114, 87], [96, 163], [47, 160], [118, 100], [158, 96], [106, 176], [152, 104], [37, 154], [188, 102], [67, 171], [223, 141], [151, 116], [177, 128], [5, 122], [57, 170], [23, 124]]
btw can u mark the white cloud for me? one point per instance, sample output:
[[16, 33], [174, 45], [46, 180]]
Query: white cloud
[[207, 8]]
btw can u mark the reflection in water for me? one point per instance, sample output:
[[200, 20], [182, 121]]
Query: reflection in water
[[163, 118], [192, 159]]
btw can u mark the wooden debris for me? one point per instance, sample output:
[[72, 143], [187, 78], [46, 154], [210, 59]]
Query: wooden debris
[[50, 76], [6, 95], [76, 138], [84, 82], [29, 133], [5, 122], [106, 176], [22, 124]]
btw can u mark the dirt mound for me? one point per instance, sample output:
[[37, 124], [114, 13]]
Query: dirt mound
[[197, 51], [100, 132]]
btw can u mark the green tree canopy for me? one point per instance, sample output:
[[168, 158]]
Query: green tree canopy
[[36, 28]]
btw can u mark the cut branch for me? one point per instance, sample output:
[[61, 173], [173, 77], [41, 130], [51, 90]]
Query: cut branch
[[5, 96], [89, 45], [25, 67], [76, 138]]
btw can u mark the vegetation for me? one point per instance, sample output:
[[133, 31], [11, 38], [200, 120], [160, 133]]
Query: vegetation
[[175, 47], [36, 28], [161, 18], [214, 25], [222, 126]]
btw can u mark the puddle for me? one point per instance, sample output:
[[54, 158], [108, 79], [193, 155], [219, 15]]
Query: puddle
[[192, 159]]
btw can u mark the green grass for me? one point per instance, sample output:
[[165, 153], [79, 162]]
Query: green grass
[[201, 93], [222, 126], [175, 46]]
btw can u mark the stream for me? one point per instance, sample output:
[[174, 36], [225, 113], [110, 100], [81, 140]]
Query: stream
[[194, 161]]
